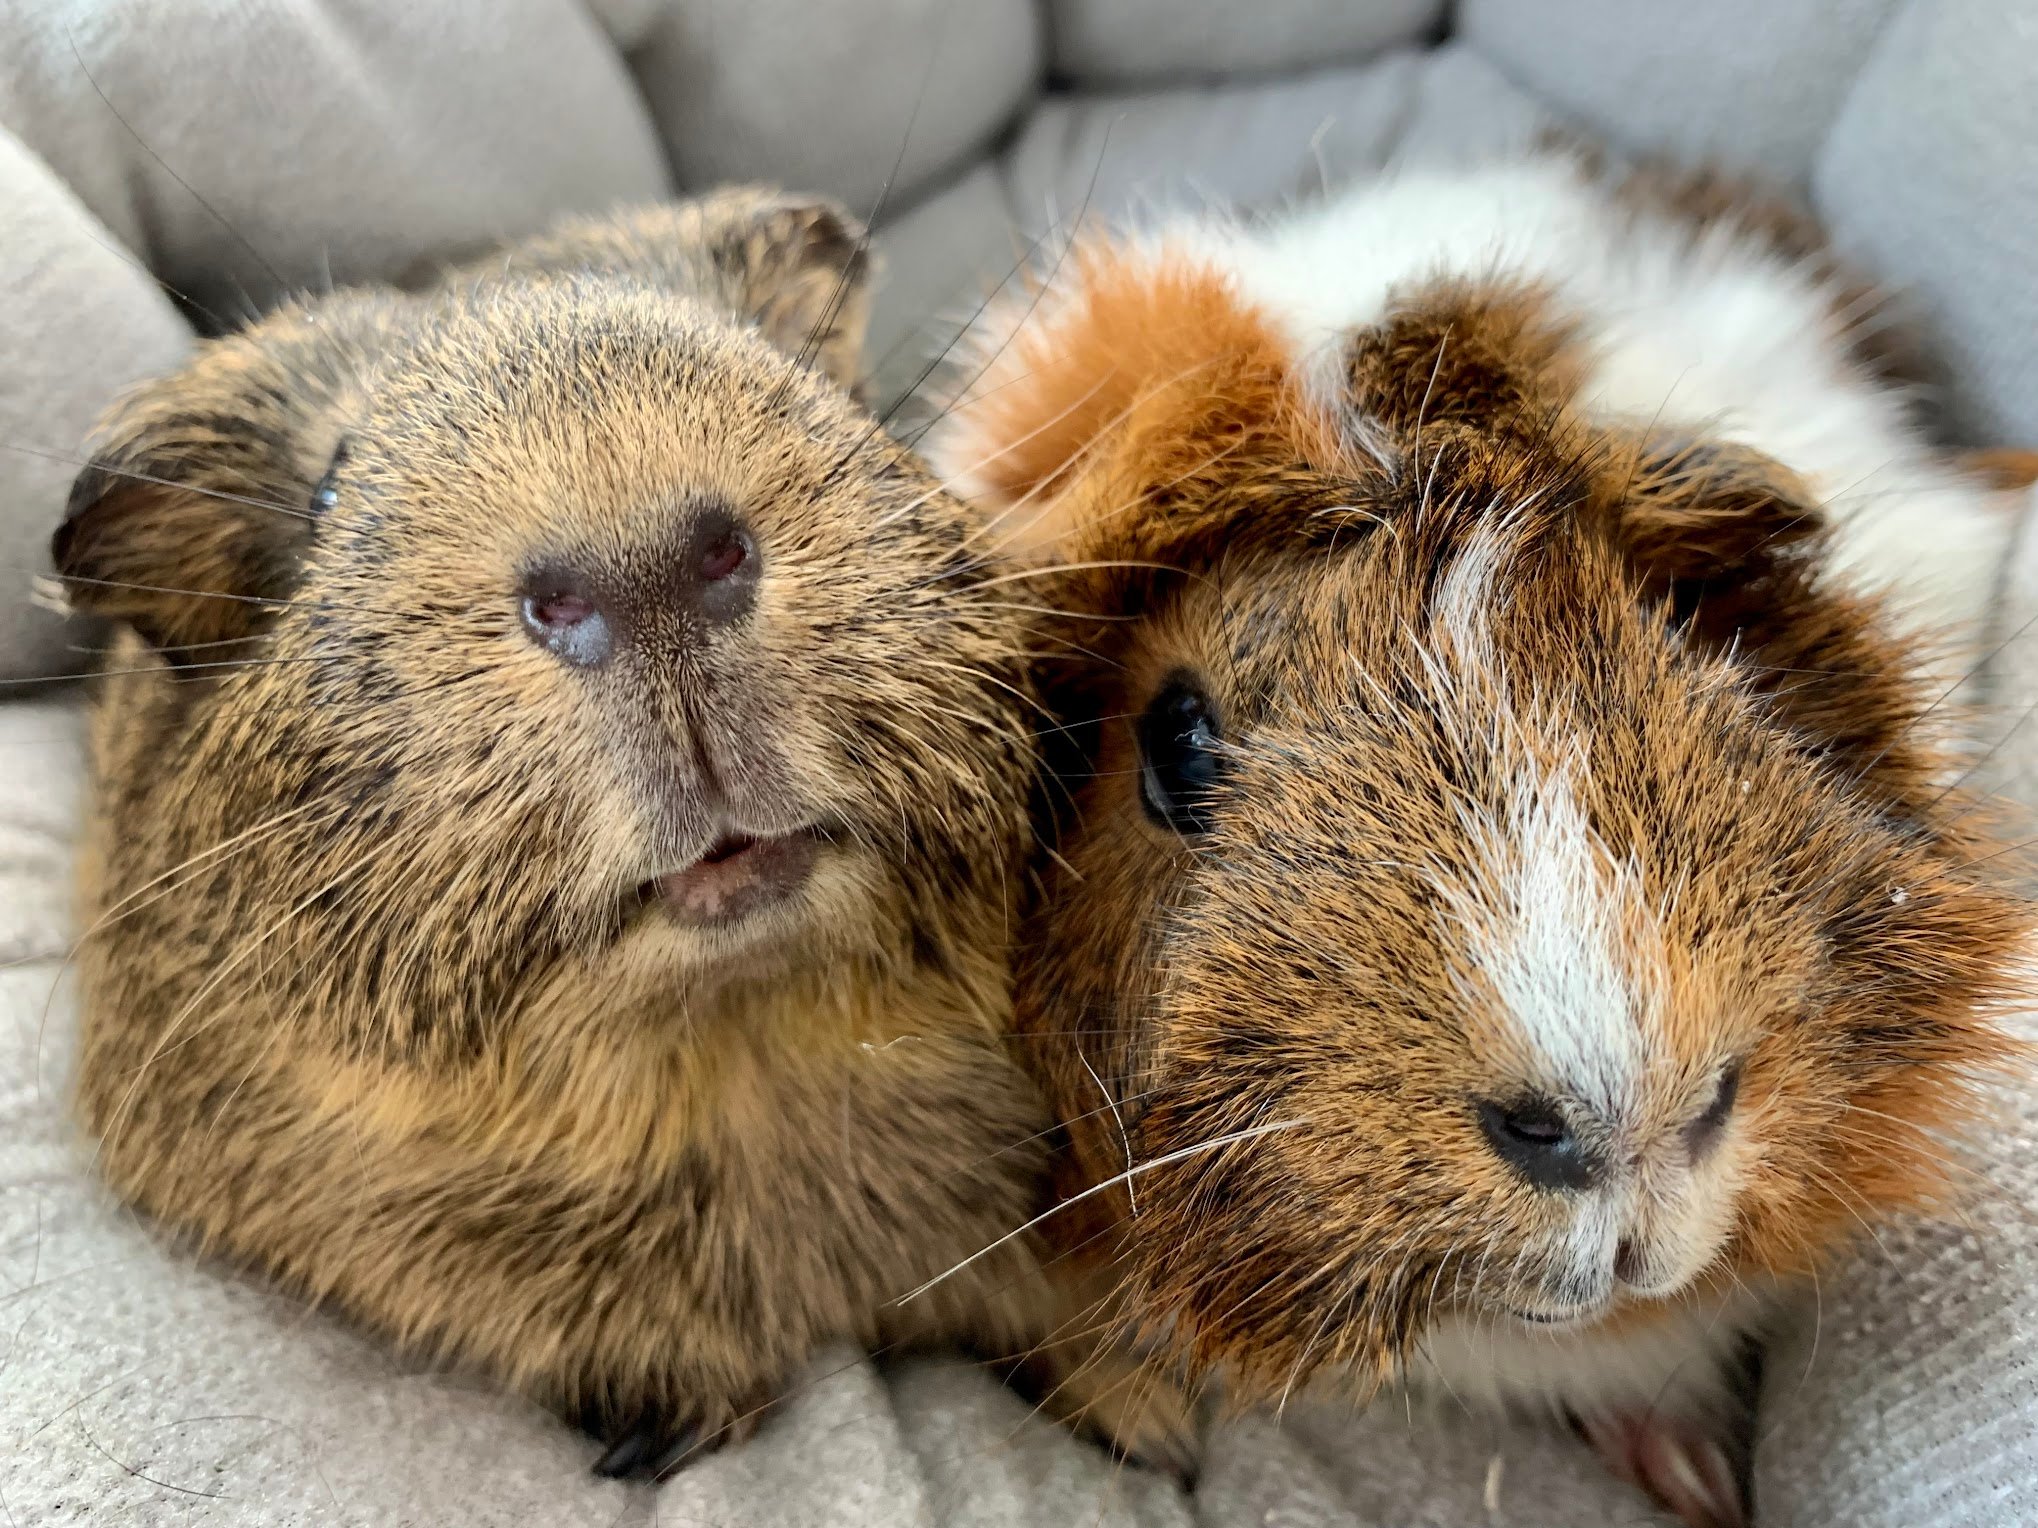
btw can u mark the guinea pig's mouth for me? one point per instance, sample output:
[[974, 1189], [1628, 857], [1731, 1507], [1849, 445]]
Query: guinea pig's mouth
[[1558, 1320], [740, 876]]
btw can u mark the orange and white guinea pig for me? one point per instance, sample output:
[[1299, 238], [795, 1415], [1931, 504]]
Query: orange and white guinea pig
[[1517, 909]]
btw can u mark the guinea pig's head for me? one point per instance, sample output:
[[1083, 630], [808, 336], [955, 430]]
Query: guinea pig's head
[[1503, 879], [572, 613]]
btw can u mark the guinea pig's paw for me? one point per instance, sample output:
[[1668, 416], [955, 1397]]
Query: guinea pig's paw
[[1689, 1470], [661, 1440]]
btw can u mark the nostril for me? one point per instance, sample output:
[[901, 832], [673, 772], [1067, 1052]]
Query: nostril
[[553, 611], [1627, 1263], [1532, 1136], [718, 566], [1702, 1132], [560, 616], [724, 555]]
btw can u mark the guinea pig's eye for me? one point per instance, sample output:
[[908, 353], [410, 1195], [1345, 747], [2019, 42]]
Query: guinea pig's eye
[[326, 496], [1179, 757]]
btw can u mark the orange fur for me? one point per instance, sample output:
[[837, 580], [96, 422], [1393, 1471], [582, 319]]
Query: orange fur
[[1150, 380], [2004, 468]]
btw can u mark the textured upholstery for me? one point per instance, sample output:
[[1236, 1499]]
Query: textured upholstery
[[164, 164]]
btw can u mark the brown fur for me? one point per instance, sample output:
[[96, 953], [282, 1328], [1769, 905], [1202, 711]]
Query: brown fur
[[370, 1003], [2005, 468], [1745, 737]]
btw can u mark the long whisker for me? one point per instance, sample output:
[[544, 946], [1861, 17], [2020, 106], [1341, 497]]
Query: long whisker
[[968, 324], [127, 906], [116, 1120], [1097, 1188], [832, 309], [1073, 567], [216, 215], [50, 590], [1124, 1141], [950, 485], [224, 663], [1069, 243], [221, 494], [1040, 489]]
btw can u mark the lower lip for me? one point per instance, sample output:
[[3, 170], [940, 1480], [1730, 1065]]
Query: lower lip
[[1557, 1322], [736, 880]]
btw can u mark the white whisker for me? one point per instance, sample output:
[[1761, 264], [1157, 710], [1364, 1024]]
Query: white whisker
[[1098, 1188]]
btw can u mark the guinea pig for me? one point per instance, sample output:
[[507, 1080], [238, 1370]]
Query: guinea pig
[[560, 789], [1516, 910]]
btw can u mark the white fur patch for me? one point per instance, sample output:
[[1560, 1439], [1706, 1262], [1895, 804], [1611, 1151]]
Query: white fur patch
[[1677, 1364], [1463, 603], [1548, 948]]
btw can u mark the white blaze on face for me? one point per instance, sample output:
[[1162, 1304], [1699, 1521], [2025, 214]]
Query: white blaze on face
[[1547, 914], [1562, 970], [1552, 950]]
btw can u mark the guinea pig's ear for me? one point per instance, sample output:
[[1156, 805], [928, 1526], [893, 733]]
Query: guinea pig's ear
[[1731, 543], [1703, 523], [801, 269], [1105, 410], [798, 267], [191, 519]]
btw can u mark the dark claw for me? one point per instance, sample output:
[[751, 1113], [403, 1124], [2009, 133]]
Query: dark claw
[[679, 1449], [650, 1448], [631, 1449]]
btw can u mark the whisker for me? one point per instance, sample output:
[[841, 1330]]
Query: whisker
[[1073, 567], [1069, 243], [53, 587], [277, 276], [233, 663], [221, 494], [1124, 1141], [1098, 1188]]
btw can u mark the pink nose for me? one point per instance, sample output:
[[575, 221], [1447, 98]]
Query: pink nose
[[700, 578]]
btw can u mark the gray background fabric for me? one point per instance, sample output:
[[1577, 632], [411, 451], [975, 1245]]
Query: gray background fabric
[[340, 140]]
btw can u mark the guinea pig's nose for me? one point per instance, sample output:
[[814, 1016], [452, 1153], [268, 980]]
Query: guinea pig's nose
[[1703, 1133], [1531, 1135], [715, 573], [563, 615], [1628, 1263]]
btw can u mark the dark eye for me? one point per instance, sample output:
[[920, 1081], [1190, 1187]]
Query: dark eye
[[1179, 757], [327, 494]]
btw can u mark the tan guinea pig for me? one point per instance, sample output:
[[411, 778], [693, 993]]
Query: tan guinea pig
[[559, 797], [1517, 905]]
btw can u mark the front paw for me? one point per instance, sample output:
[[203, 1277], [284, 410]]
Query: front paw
[[1685, 1466], [658, 1440]]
